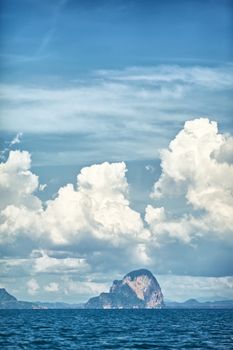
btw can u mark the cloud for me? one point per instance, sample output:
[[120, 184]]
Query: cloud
[[89, 288], [17, 182], [91, 222], [54, 18], [196, 166], [165, 228], [150, 168], [97, 208], [42, 187], [16, 139], [52, 287], [120, 94], [214, 78], [224, 154], [91, 227], [43, 264], [33, 286], [180, 288], [46, 264], [126, 114], [19, 206]]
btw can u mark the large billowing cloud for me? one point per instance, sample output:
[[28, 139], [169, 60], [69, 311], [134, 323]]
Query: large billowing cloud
[[90, 231], [98, 207], [197, 166], [18, 204]]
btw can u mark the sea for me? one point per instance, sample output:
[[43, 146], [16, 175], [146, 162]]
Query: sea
[[116, 329]]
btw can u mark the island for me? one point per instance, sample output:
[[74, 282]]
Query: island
[[138, 289]]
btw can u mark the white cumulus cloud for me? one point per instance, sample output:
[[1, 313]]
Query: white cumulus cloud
[[17, 182], [93, 221], [196, 165], [97, 207]]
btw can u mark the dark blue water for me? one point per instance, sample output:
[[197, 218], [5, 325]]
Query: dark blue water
[[116, 329]]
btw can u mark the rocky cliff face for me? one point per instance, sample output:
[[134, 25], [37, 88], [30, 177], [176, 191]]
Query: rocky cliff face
[[137, 290], [8, 301], [5, 296]]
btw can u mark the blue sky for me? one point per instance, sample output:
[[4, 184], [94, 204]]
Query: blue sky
[[66, 39], [88, 82]]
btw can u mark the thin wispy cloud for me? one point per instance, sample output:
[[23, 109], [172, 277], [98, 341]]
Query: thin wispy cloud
[[142, 106], [218, 78], [49, 35], [15, 141]]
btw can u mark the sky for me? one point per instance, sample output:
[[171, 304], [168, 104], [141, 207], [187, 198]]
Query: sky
[[116, 147]]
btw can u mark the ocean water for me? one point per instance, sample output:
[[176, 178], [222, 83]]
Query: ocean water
[[116, 329]]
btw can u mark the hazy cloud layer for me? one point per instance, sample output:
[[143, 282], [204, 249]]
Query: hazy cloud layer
[[126, 114], [208, 288]]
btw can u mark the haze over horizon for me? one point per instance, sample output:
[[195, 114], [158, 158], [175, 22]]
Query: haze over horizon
[[116, 147]]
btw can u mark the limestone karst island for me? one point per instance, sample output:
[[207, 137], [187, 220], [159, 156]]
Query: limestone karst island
[[137, 290]]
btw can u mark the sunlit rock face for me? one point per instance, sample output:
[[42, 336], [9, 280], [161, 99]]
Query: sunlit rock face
[[137, 290]]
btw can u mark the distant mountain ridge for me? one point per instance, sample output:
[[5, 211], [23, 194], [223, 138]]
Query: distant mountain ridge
[[195, 304], [138, 289]]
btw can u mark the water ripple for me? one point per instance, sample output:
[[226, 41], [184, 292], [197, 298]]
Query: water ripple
[[116, 329]]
